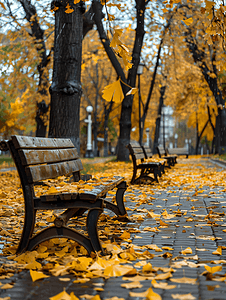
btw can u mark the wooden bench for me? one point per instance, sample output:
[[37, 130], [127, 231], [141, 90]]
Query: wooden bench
[[38, 159], [148, 155], [146, 168], [171, 159], [178, 151]]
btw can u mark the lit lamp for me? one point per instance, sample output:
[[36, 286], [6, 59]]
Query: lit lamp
[[186, 143], [89, 150], [175, 137], [140, 69]]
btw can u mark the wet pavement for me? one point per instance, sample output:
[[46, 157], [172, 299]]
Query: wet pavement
[[199, 218]]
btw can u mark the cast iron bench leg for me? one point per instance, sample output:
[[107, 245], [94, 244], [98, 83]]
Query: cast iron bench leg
[[91, 225], [29, 223], [156, 172]]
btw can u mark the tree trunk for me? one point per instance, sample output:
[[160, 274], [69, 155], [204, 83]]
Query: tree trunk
[[105, 131], [199, 136], [158, 119], [66, 87], [43, 85], [125, 120], [106, 118], [95, 124]]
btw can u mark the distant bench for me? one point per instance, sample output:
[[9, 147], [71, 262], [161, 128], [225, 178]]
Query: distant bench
[[171, 159], [146, 167], [178, 151], [38, 159]]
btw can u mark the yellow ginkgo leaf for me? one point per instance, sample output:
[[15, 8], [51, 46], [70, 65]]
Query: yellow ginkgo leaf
[[184, 280], [73, 297], [188, 250], [113, 92], [61, 296], [147, 268], [163, 223], [52, 190], [167, 248], [218, 251], [150, 214], [7, 286], [188, 21], [163, 276], [37, 275], [148, 294], [162, 285], [213, 269], [125, 235], [117, 270], [33, 265], [183, 296]]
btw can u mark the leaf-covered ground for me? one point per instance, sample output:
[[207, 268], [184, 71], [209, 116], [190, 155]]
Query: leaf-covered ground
[[172, 248]]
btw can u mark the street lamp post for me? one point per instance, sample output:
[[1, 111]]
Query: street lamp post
[[147, 134], [163, 127], [89, 150], [175, 137], [140, 72], [189, 146]]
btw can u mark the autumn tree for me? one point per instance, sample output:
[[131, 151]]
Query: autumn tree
[[200, 25]]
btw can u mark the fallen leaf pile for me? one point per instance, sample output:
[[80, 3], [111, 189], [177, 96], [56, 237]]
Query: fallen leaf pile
[[188, 199]]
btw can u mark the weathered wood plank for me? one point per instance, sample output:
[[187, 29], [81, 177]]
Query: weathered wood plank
[[55, 197], [139, 156], [38, 173], [27, 142], [34, 157], [100, 190], [138, 150], [83, 194]]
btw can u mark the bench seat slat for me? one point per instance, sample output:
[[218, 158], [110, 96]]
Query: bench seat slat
[[89, 195], [26, 142], [146, 165], [33, 157], [42, 172], [100, 190]]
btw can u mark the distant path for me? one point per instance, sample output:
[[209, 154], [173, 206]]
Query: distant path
[[97, 160]]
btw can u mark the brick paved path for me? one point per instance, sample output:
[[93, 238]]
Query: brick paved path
[[190, 229]]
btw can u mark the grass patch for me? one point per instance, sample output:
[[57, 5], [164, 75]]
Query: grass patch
[[93, 168], [221, 157], [6, 161]]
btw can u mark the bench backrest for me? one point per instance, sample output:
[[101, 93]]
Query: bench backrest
[[38, 159], [182, 151], [135, 151], [147, 151], [161, 151]]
